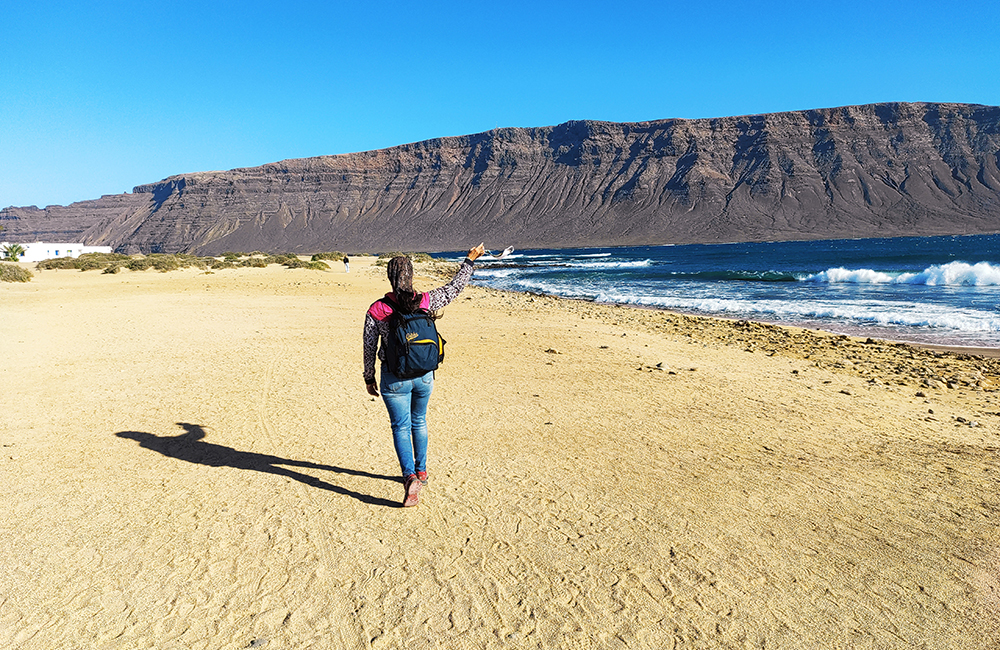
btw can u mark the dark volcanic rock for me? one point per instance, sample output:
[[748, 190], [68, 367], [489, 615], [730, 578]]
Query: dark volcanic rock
[[859, 171], [58, 223]]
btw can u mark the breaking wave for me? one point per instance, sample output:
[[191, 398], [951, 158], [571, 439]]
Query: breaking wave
[[982, 274]]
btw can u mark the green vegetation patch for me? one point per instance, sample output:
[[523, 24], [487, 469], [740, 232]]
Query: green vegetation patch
[[58, 263], [296, 263], [13, 252], [383, 258], [163, 262], [85, 262]]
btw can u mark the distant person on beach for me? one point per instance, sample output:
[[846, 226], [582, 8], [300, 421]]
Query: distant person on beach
[[347, 264], [406, 399]]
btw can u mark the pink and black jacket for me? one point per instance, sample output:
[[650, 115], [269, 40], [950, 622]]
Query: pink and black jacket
[[377, 318]]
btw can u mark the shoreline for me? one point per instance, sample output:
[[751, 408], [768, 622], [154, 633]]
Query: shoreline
[[987, 352], [862, 357], [979, 351]]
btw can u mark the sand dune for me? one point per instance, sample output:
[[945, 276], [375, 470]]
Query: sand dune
[[190, 460]]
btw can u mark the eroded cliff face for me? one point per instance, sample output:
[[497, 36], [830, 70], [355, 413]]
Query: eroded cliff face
[[860, 171], [66, 223]]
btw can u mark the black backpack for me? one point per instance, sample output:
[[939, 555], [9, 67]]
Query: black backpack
[[413, 347]]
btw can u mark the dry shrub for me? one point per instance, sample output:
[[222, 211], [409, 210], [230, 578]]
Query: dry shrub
[[14, 273], [383, 258]]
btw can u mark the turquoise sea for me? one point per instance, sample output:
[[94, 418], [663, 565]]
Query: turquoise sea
[[938, 290]]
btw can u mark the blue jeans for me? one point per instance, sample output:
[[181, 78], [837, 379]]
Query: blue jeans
[[406, 400]]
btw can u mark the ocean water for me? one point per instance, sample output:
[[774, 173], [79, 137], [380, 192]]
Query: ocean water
[[938, 290]]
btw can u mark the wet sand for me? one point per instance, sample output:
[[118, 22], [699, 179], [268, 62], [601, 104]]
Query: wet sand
[[190, 460]]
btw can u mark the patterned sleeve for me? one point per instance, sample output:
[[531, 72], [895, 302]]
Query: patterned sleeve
[[370, 347], [443, 295]]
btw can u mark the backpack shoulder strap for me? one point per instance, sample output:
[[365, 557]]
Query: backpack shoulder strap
[[396, 312]]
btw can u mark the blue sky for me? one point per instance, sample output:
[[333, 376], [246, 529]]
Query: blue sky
[[99, 96]]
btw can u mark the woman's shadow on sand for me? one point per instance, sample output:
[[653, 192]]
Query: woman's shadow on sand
[[191, 447]]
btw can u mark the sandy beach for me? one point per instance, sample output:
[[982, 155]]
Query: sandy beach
[[190, 460]]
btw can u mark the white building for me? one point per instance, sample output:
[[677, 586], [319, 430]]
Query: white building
[[39, 250]]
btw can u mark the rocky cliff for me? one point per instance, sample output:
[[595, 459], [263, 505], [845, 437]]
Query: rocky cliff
[[858, 171]]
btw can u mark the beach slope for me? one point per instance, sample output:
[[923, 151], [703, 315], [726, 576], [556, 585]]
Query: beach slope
[[190, 460]]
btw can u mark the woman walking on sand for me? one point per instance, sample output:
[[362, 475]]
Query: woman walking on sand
[[406, 399]]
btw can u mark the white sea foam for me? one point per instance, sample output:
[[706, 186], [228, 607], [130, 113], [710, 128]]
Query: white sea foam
[[486, 262], [882, 313], [495, 274], [982, 274], [568, 266], [856, 276], [561, 258], [612, 265]]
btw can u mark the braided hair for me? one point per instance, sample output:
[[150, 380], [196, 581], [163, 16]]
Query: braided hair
[[400, 272]]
